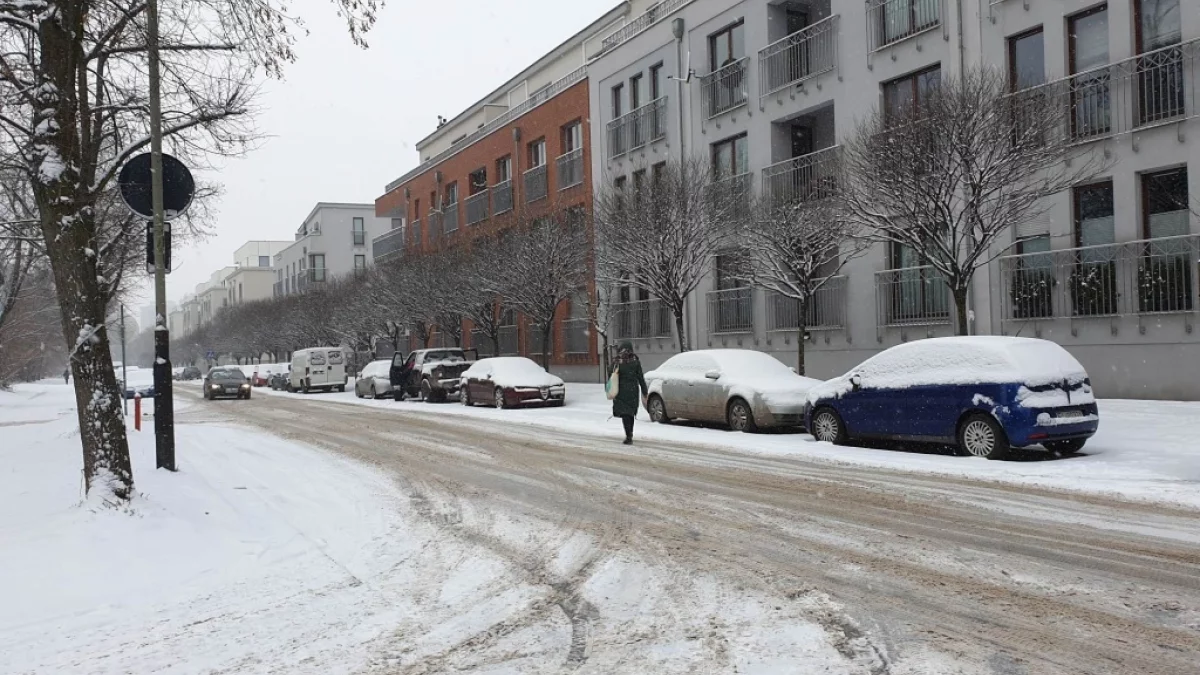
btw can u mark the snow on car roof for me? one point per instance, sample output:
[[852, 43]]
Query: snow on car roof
[[514, 371]]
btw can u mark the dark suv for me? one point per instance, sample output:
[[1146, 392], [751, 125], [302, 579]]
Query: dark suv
[[430, 374]]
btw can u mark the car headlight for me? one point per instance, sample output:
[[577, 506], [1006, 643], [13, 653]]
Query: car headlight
[[245, 386], [216, 387]]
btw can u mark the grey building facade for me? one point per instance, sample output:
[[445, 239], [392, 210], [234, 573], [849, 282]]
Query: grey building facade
[[768, 91]]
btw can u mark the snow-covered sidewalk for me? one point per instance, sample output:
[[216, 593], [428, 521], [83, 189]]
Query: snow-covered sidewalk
[[1145, 450]]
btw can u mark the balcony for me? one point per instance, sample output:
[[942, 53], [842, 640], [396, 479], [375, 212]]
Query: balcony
[[502, 198], [1157, 87], [576, 334], [737, 189], [638, 127], [890, 21], [725, 89], [317, 275], [731, 311], [389, 245], [642, 319], [805, 54], [570, 169], [1144, 277], [536, 184], [826, 310], [477, 207], [450, 218], [802, 179], [653, 14], [912, 296]]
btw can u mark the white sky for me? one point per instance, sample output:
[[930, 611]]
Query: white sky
[[345, 121]]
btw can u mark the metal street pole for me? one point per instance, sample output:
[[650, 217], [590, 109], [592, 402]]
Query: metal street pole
[[124, 372], [164, 411]]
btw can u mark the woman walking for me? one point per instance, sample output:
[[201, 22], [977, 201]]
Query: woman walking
[[631, 382]]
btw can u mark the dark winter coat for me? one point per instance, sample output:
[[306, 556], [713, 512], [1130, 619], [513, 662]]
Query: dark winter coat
[[631, 388]]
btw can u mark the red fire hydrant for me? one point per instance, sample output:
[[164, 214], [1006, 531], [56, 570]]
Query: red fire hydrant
[[137, 412]]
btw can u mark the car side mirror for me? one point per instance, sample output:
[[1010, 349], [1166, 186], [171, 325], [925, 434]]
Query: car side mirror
[[713, 374], [856, 381]]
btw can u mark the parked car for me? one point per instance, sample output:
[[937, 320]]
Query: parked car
[[279, 381], [127, 391], [321, 368], [190, 373], [985, 395], [373, 380], [510, 382], [146, 392], [745, 389], [430, 374], [226, 381]]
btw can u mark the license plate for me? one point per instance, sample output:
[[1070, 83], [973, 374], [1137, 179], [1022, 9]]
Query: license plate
[[1070, 414], [231, 390]]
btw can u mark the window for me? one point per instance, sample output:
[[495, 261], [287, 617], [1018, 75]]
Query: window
[[1165, 203], [1026, 60], [635, 92], [417, 209], [639, 183], [656, 81], [537, 153], [726, 46], [903, 96], [657, 173], [1160, 71], [918, 292], [503, 170], [902, 18], [360, 263], [264, 261], [617, 93], [572, 137], [619, 184], [1165, 268], [358, 228], [1093, 281], [1087, 34], [1158, 24], [478, 182], [397, 223], [730, 158], [451, 196], [316, 263]]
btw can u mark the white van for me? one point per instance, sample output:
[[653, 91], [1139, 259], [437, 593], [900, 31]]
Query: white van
[[318, 368]]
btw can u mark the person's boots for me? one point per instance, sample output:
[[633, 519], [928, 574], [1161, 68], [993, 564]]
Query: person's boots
[[628, 440]]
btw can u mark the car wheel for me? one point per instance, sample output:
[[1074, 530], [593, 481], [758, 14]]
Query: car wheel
[[982, 436], [1067, 447], [464, 397], [374, 392], [247, 396], [658, 409], [498, 398], [426, 391], [827, 426], [740, 417], [342, 388]]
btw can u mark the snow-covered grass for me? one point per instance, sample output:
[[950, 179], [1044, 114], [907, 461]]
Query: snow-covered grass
[[1145, 450]]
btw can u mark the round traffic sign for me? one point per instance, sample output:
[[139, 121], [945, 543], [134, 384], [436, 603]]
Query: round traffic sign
[[178, 186]]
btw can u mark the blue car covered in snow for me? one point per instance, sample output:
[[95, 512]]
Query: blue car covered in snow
[[985, 395]]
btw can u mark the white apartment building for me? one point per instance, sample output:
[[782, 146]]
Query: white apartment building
[[254, 276], [775, 87], [211, 296], [333, 241]]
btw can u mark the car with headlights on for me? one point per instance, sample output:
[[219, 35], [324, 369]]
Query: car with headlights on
[[226, 382], [511, 382]]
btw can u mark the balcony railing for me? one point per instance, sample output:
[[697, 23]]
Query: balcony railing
[[653, 14], [359, 238], [502, 198], [536, 184], [805, 178], [477, 207], [435, 225], [389, 245], [736, 190], [509, 344], [1149, 276], [277, 289], [417, 234], [1157, 87], [731, 311], [576, 333], [638, 127], [808, 52], [317, 275], [570, 169], [726, 88], [825, 310], [912, 296], [890, 21], [642, 319], [450, 218]]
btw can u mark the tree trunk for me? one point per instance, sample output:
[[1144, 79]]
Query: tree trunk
[[802, 326], [495, 343], [962, 318], [547, 344], [683, 344]]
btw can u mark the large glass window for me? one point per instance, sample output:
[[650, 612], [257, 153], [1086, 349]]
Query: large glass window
[[1160, 68], [1090, 102], [904, 95], [730, 157], [1158, 24], [1165, 269], [726, 46], [918, 292], [1027, 60], [359, 231], [1093, 282]]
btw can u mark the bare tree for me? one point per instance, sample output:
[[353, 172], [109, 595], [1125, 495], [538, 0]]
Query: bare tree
[[947, 178], [479, 278], [794, 247], [661, 237], [73, 109]]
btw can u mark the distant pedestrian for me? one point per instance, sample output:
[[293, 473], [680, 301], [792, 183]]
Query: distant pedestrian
[[631, 383], [67, 375]]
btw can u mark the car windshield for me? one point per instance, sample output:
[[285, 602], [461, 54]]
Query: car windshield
[[445, 355], [227, 375]]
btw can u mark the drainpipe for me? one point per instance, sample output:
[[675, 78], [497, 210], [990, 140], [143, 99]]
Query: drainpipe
[[962, 48]]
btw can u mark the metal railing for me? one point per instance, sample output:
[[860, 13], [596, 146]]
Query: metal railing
[[725, 88], [642, 319], [416, 234], [576, 334], [825, 310], [539, 97], [731, 311], [890, 21], [738, 189], [808, 52], [502, 197], [1156, 87], [450, 218], [1148, 276], [435, 225], [317, 275], [536, 184], [477, 207], [389, 245], [359, 238], [655, 13], [805, 178], [277, 289], [509, 344], [912, 296], [638, 127], [570, 169]]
